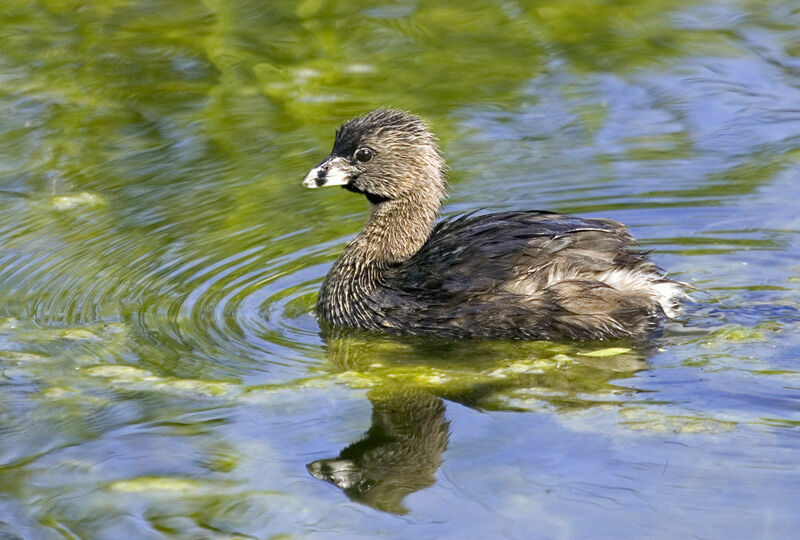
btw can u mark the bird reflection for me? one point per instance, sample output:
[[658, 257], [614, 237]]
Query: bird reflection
[[402, 450], [398, 455]]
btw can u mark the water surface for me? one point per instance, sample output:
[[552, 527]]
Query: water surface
[[161, 371]]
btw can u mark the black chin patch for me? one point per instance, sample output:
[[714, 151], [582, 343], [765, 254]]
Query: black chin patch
[[371, 197], [376, 199]]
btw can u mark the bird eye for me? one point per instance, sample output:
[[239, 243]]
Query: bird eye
[[364, 154]]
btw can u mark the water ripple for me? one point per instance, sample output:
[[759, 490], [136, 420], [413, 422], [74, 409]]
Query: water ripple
[[253, 305]]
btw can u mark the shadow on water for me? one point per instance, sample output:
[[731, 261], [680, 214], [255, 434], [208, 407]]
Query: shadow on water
[[409, 380]]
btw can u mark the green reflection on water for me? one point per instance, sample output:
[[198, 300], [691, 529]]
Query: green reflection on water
[[161, 370]]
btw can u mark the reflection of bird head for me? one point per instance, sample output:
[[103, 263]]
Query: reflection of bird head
[[397, 456]]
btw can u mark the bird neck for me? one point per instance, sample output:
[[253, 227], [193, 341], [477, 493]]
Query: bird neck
[[395, 231]]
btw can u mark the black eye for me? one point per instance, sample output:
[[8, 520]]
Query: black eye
[[364, 154]]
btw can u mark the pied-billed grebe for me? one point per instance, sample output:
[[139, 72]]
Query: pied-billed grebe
[[522, 274]]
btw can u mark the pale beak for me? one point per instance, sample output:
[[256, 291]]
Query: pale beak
[[328, 173]]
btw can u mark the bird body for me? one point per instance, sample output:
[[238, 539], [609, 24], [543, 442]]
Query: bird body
[[511, 275]]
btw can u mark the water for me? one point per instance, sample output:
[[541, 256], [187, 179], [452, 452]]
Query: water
[[161, 370]]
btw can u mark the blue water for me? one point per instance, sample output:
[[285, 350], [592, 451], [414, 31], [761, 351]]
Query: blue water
[[161, 370]]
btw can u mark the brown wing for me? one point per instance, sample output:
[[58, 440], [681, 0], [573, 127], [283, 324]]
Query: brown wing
[[525, 274]]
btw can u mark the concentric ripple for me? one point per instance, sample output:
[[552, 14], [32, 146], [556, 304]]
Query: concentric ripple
[[219, 301]]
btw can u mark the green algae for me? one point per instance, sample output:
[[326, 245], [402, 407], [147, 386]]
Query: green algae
[[611, 351], [641, 419], [739, 335], [162, 372], [158, 484], [133, 378], [77, 200], [22, 357]]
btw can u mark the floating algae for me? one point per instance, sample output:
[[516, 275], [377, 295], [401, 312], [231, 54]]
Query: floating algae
[[76, 200], [642, 419]]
